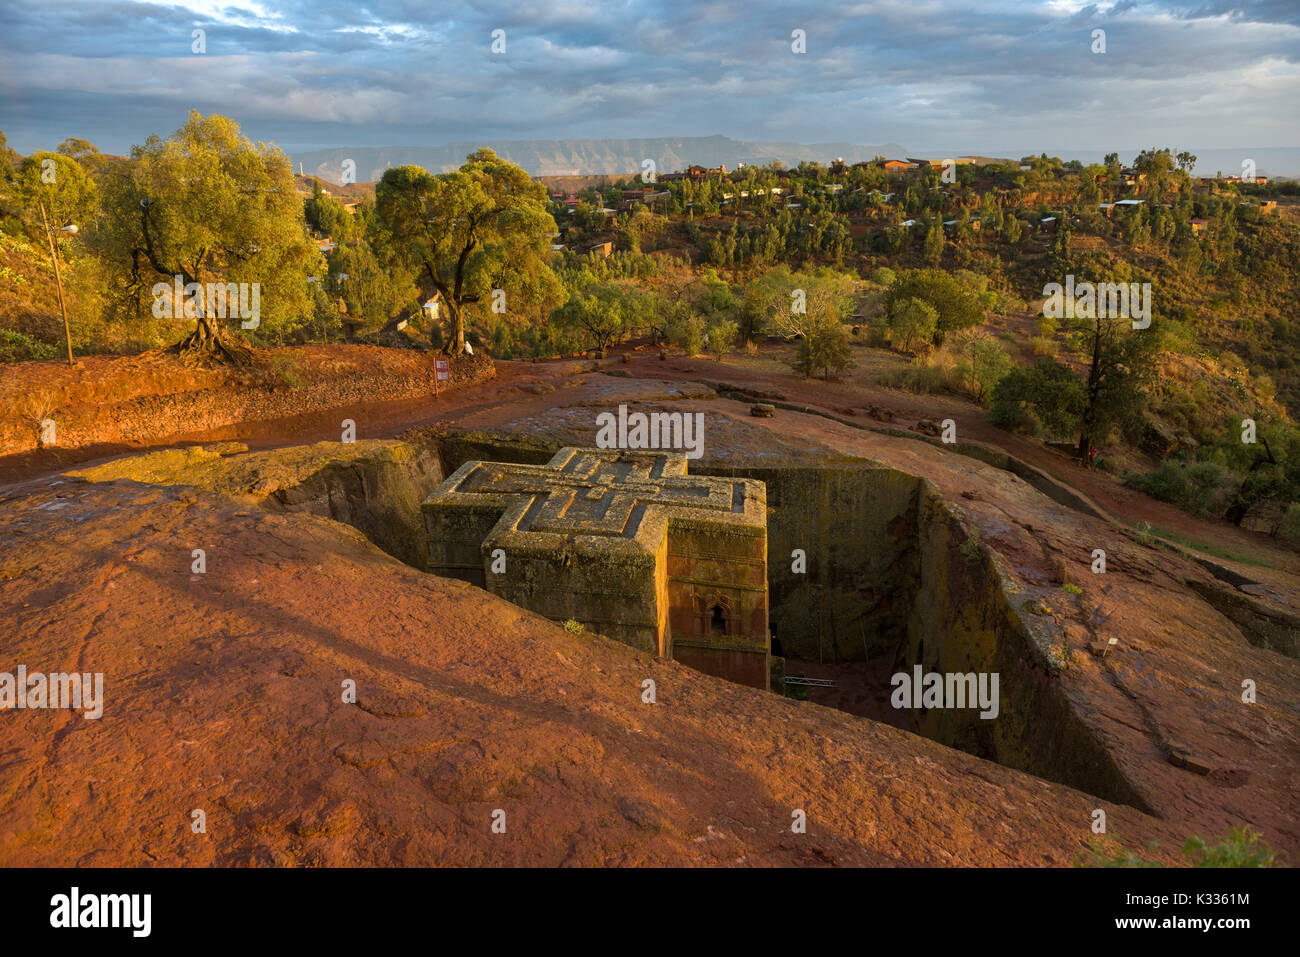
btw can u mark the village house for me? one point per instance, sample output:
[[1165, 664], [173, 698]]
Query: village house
[[1199, 226], [432, 306], [696, 173]]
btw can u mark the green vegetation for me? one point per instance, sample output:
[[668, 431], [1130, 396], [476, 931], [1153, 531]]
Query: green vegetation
[[1045, 397], [713, 262], [955, 305], [473, 235], [1240, 847], [208, 206]]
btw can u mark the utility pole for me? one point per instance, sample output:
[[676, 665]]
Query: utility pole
[[58, 281]]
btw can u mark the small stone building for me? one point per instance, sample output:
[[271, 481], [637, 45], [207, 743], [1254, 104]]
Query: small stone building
[[627, 543]]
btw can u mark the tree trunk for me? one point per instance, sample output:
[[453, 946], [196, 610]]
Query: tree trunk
[[455, 344], [207, 343]]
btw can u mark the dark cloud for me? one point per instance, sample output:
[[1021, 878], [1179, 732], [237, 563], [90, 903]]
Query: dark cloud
[[931, 74]]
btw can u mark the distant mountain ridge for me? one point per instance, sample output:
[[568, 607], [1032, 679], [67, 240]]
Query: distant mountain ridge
[[575, 157]]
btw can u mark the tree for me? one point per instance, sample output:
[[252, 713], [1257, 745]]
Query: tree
[[812, 307], [482, 227], [798, 301], [720, 336], [686, 331], [1154, 162], [599, 314], [209, 206], [1011, 230], [825, 346], [956, 305], [326, 215], [910, 320], [1046, 394], [981, 362], [1119, 367], [883, 276], [57, 184], [373, 294], [83, 152], [1271, 470], [934, 243], [56, 188]]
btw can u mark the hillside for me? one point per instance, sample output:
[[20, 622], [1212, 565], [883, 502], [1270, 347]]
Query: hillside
[[578, 157]]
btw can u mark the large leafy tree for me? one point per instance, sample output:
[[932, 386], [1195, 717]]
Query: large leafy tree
[[1118, 360], [467, 233], [597, 313], [812, 308], [911, 320], [210, 206]]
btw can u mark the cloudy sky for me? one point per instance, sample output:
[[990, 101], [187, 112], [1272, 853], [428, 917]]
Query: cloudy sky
[[959, 76]]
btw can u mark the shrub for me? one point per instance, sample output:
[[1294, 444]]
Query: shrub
[[1240, 847], [720, 337], [1013, 417], [1049, 392], [1198, 487], [981, 363], [911, 321], [687, 334], [917, 376], [1290, 527], [954, 303], [16, 347], [825, 346]]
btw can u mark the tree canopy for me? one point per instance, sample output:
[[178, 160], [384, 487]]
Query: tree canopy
[[469, 232], [956, 306], [210, 206]]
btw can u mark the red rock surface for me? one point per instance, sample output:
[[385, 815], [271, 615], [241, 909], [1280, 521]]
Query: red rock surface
[[223, 691], [224, 694]]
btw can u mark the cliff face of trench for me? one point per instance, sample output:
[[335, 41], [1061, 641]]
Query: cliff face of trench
[[969, 615], [893, 575]]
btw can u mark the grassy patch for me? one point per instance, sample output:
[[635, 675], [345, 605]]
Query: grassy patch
[[1156, 530]]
